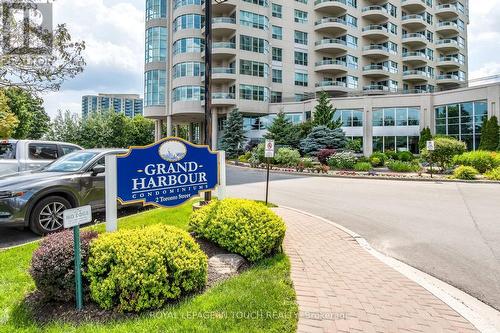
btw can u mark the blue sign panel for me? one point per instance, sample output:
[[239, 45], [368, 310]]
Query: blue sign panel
[[166, 173]]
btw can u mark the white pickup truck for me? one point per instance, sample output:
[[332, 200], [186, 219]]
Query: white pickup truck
[[24, 155]]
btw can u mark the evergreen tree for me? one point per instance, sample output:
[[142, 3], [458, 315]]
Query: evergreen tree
[[489, 135], [8, 120], [425, 135], [283, 132], [234, 137], [324, 113], [65, 127], [322, 137]]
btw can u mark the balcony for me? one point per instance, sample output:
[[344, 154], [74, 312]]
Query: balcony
[[223, 26], [375, 51], [222, 50], [375, 13], [331, 25], [331, 66], [375, 31], [331, 45], [447, 45], [377, 89], [413, 6], [415, 76], [334, 87], [333, 7], [415, 58], [449, 80], [414, 22], [447, 28], [223, 99], [222, 75], [415, 40], [375, 71], [449, 63], [447, 11], [220, 9]]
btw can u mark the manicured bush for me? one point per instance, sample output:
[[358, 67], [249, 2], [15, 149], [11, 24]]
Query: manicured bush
[[324, 154], [245, 157], [53, 267], [344, 160], [425, 135], [240, 226], [489, 135], [405, 156], [445, 149], [287, 156], [362, 166], [401, 166], [465, 172], [481, 160], [305, 163], [378, 159], [493, 174], [140, 269], [391, 155], [258, 155], [354, 145]]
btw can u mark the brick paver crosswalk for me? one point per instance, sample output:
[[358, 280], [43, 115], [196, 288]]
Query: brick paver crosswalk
[[342, 288]]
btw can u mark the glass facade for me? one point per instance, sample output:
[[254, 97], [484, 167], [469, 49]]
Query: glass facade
[[405, 116], [156, 9], [182, 3], [156, 44], [396, 143], [188, 21], [187, 93], [188, 45], [154, 87], [463, 121], [254, 93], [349, 118], [191, 68]]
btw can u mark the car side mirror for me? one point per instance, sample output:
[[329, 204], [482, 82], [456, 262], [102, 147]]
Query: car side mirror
[[98, 169]]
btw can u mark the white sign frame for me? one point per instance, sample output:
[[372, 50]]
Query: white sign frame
[[269, 148], [77, 216], [430, 145]]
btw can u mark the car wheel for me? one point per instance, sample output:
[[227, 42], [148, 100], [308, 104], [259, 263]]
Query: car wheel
[[47, 215]]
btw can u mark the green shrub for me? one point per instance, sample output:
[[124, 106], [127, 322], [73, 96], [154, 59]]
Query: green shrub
[[362, 166], [401, 166], [52, 266], [139, 269], [465, 172], [363, 159], [258, 155], [391, 155], [245, 157], [355, 145], [287, 156], [405, 156], [305, 163], [445, 149], [344, 160], [240, 226], [481, 160], [378, 159], [493, 174]]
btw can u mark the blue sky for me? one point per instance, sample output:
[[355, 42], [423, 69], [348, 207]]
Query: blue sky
[[114, 33]]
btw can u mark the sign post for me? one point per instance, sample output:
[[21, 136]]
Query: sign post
[[110, 191], [222, 175], [73, 218], [269, 153], [431, 147]]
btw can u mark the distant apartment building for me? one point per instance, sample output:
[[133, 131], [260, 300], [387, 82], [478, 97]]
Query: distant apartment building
[[129, 104]]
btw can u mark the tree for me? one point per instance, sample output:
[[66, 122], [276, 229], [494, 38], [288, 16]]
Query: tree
[[283, 132], [142, 131], [445, 148], [324, 113], [304, 129], [322, 137], [65, 127], [46, 62], [33, 120], [425, 135], [8, 121], [489, 135], [233, 137]]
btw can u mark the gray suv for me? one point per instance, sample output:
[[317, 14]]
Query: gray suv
[[37, 199]]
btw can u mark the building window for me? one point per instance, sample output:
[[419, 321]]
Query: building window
[[301, 79], [187, 21], [253, 20], [396, 143], [350, 118], [277, 54], [277, 32], [254, 93], [254, 68], [277, 10], [156, 44], [154, 87], [276, 97], [462, 121], [300, 37], [156, 9], [263, 3], [254, 44], [301, 58], [300, 16], [396, 117], [187, 93], [277, 76], [188, 69], [182, 3], [188, 45], [302, 1]]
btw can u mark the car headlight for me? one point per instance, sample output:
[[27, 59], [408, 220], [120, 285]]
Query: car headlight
[[10, 194]]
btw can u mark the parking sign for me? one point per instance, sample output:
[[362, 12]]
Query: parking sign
[[430, 146], [269, 152]]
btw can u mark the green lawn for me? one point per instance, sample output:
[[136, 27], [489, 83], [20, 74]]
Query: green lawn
[[260, 300]]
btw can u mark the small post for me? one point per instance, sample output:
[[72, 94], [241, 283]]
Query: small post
[[222, 175], [78, 268], [111, 193], [268, 154], [267, 180]]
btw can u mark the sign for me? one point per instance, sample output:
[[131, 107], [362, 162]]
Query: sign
[[166, 173], [77, 216], [430, 145], [269, 152]]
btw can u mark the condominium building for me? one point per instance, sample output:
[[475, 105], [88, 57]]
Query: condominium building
[[129, 104], [269, 54]]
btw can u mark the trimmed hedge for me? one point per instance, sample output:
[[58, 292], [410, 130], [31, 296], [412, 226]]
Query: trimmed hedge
[[400, 166], [240, 226], [493, 174], [465, 172], [344, 160], [53, 266], [378, 159], [481, 160], [140, 269], [362, 166], [287, 157]]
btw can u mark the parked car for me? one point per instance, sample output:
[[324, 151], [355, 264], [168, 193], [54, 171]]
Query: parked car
[[24, 155], [37, 199]]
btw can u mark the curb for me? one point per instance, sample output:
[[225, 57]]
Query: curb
[[429, 180], [485, 318]]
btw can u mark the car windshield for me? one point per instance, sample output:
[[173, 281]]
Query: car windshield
[[7, 151], [71, 162]]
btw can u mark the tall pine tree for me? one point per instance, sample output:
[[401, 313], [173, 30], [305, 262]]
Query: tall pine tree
[[489, 135], [425, 135], [234, 136], [283, 132], [324, 113]]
